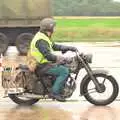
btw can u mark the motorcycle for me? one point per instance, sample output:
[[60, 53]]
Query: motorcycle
[[27, 88]]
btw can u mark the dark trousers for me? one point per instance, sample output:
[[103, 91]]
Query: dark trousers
[[61, 72]]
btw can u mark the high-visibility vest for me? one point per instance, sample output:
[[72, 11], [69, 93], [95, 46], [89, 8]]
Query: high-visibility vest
[[35, 52]]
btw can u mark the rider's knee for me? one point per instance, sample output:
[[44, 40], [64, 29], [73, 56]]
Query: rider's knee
[[64, 70]]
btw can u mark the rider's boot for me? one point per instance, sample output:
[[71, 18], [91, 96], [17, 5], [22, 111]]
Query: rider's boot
[[57, 97]]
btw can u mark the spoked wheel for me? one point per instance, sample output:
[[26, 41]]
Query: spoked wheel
[[22, 100], [109, 91]]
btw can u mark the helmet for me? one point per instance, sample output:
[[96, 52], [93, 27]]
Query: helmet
[[47, 24]]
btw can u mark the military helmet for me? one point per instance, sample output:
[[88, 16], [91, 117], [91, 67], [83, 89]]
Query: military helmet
[[47, 24]]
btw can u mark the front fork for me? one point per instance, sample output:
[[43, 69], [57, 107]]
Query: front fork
[[90, 73], [95, 81]]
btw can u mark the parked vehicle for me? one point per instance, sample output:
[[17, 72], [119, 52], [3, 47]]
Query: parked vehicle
[[99, 87], [19, 21]]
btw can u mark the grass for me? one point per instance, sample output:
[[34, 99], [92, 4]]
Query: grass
[[87, 30]]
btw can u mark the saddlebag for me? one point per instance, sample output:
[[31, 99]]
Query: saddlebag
[[10, 81]]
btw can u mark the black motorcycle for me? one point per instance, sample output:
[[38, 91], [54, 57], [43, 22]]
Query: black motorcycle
[[97, 86]]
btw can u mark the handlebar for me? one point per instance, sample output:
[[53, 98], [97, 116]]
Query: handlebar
[[82, 56]]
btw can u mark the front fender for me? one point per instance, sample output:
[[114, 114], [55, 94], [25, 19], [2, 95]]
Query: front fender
[[87, 76]]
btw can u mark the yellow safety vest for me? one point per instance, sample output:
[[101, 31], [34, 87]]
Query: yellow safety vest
[[35, 52]]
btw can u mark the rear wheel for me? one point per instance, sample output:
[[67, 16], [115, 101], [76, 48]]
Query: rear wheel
[[23, 42], [21, 100], [109, 90], [26, 79], [3, 43]]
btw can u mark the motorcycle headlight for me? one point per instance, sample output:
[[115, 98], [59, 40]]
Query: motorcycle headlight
[[88, 58]]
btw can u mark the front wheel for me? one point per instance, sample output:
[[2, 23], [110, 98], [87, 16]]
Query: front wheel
[[22, 101], [109, 88]]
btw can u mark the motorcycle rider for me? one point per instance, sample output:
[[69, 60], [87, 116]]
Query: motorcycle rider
[[42, 48]]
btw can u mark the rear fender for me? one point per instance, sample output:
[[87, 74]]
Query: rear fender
[[87, 76]]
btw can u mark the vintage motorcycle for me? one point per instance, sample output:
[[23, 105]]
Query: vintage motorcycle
[[26, 88]]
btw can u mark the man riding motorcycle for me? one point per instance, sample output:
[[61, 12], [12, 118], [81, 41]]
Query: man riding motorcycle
[[42, 48]]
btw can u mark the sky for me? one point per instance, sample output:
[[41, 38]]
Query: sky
[[117, 0]]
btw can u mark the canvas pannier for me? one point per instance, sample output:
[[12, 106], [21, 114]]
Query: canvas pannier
[[17, 80], [10, 83]]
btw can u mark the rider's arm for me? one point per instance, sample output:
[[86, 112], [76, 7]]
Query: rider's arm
[[57, 47], [43, 47]]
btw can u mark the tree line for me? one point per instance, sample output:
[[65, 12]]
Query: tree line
[[86, 8]]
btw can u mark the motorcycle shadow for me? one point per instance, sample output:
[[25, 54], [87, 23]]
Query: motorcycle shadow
[[37, 113]]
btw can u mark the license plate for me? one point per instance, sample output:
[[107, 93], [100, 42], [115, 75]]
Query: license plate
[[15, 90]]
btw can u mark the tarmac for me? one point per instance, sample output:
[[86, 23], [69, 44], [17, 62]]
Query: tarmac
[[105, 56]]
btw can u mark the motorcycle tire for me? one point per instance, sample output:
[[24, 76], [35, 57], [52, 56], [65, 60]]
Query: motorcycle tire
[[106, 101], [20, 101]]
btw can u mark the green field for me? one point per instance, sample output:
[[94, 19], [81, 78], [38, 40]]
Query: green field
[[87, 30]]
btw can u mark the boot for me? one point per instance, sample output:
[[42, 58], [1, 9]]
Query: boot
[[57, 97]]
